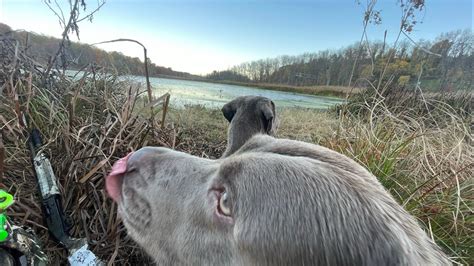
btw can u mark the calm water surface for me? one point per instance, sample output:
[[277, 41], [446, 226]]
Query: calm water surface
[[214, 95]]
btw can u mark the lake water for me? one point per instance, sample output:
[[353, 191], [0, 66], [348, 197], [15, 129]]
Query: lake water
[[214, 95]]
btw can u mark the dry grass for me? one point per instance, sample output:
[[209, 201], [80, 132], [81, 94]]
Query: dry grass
[[305, 124], [85, 129], [200, 131], [86, 125], [422, 152], [203, 132]]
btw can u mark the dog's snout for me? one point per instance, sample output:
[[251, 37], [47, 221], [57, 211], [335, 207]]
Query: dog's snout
[[144, 156]]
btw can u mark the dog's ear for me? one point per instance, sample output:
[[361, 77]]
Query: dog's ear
[[267, 109], [228, 110]]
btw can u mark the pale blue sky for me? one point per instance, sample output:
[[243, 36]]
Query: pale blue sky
[[201, 36]]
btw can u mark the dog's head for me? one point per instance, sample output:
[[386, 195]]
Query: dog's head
[[248, 116], [273, 202], [246, 209]]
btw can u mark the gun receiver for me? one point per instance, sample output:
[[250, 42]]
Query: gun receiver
[[50, 195]]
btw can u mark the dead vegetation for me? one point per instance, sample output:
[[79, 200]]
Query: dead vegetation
[[421, 149], [86, 124]]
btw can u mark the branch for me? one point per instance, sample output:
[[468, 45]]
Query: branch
[[145, 61], [60, 10], [91, 13], [419, 46], [121, 40], [62, 21]]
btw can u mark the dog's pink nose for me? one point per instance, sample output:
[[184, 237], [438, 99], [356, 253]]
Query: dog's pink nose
[[113, 182]]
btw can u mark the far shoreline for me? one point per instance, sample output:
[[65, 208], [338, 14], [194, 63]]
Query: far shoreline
[[340, 92], [319, 90]]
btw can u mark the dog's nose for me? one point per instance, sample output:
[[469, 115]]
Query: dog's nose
[[144, 157]]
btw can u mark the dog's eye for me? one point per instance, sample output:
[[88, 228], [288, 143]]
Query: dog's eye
[[224, 204]]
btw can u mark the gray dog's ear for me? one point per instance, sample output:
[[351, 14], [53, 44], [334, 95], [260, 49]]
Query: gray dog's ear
[[228, 110], [248, 116], [268, 111]]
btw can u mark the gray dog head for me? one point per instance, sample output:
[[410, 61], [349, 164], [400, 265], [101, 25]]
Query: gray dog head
[[273, 202], [248, 116]]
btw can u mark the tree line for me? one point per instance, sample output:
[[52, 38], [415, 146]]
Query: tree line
[[78, 55], [445, 63]]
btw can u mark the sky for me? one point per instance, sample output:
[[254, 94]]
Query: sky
[[202, 36]]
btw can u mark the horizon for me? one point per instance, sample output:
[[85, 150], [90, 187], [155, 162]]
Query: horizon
[[202, 37]]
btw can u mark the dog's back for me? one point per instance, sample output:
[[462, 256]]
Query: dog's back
[[353, 220]]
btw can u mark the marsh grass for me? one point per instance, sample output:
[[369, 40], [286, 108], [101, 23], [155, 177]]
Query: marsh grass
[[199, 131], [86, 125], [422, 152]]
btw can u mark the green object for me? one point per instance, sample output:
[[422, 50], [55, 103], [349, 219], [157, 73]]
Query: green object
[[6, 200], [3, 232]]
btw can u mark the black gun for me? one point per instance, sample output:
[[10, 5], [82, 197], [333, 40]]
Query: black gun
[[52, 208], [51, 198]]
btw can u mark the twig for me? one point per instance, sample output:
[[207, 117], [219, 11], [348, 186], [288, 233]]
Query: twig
[[443, 180], [89, 16], [417, 86], [145, 62], [165, 110], [419, 46], [62, 21], [368, 13], [2, 157]]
